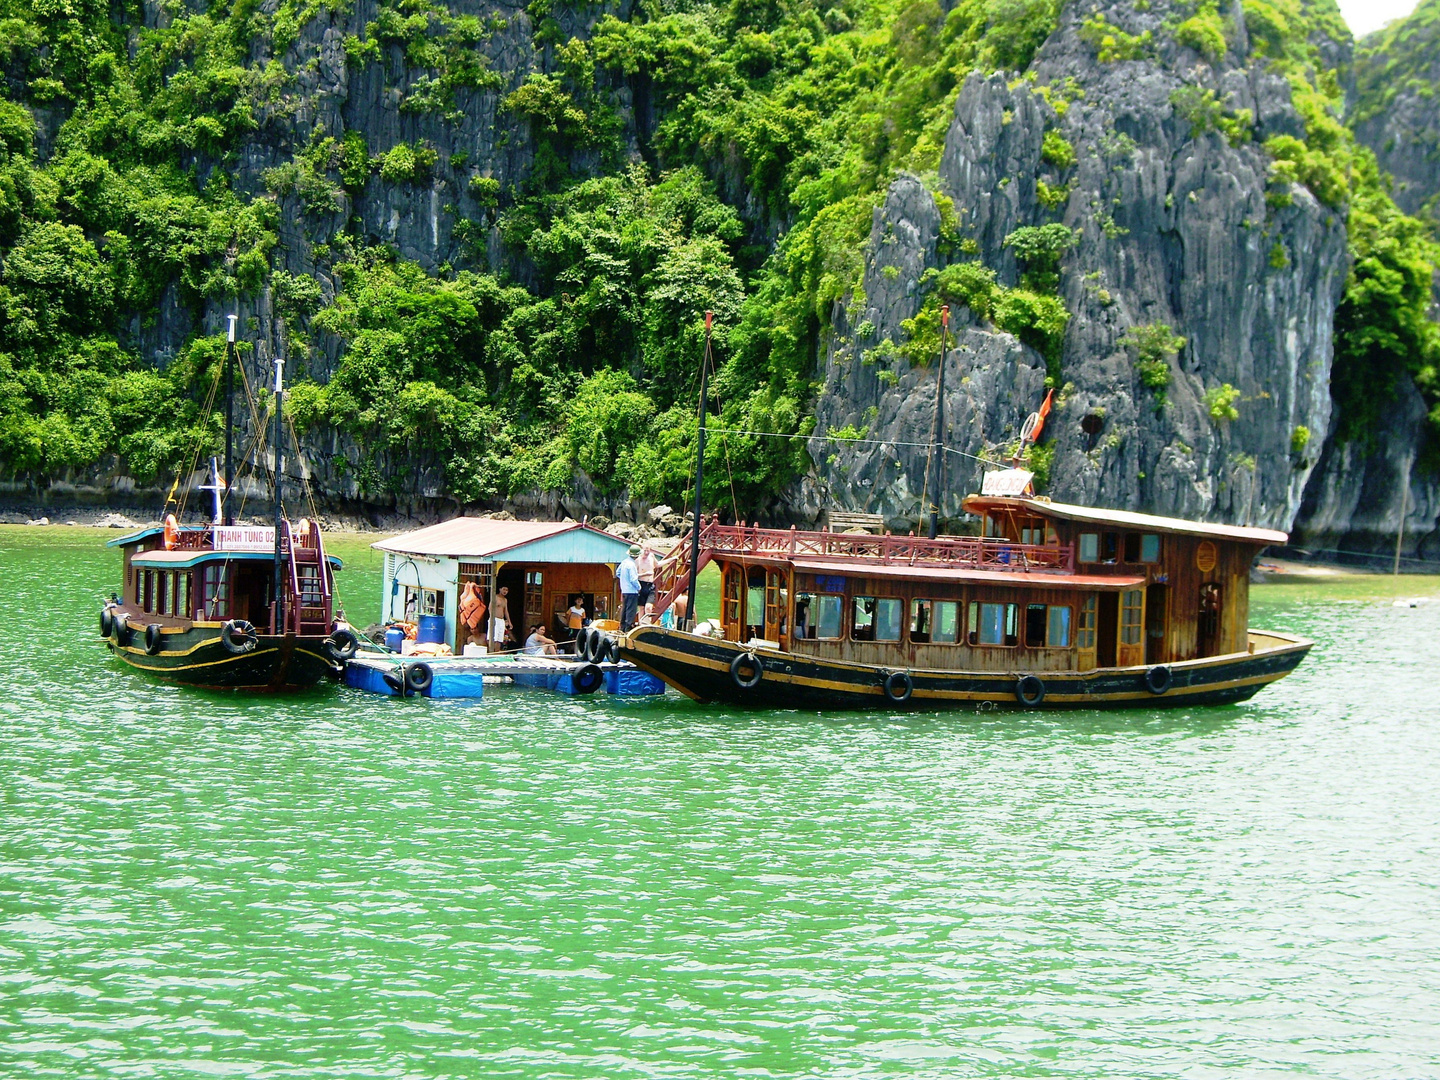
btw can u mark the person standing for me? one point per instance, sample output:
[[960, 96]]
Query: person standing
[[645, 567], [629, 575], [500, 619]]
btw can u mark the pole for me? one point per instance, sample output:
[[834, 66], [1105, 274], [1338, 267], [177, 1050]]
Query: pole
[[937, 436], [279, 626], [1400, 532], [699, 480], [229, 422]]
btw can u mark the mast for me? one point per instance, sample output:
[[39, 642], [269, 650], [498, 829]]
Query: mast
[[938, 435], [699, 480], [229, 422], [279, 627]]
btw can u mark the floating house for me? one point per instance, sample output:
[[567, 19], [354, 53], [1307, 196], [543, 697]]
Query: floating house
[[544, 564]]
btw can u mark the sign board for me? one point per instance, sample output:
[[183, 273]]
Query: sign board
[[244, 537], [1006, 482], [829, 583], [1205, 557]]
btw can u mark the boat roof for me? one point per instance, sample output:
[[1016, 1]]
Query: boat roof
[[1041, 578], [481, 538], [980, 503], [180, 558]]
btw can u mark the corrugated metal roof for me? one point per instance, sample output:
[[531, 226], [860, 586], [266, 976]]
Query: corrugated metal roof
[[1014, 578], [1129, 517], [482, 538]]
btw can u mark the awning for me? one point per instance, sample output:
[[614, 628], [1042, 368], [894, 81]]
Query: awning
[[1090, 515], [160, 559], [1040, 579]]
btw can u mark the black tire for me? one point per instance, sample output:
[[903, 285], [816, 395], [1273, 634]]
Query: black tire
[[238, 636], [588, 679], [395, 680], [343, 644], [152, 639], [120, 627], [1030, 689], [599, 647], [107, 622], [582, 643], [899, 686], [612, 650], [755, 663], [419, 677], [1158, 679]]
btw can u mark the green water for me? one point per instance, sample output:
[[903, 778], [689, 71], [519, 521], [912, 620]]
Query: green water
[[340, 885]]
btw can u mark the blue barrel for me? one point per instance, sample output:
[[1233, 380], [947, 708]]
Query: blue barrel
[[431, 629], [394, 638]]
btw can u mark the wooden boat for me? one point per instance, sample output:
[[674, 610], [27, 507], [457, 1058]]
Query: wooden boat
[[1053, 606], [229, 606]]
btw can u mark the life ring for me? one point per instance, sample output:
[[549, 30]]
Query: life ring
[[107, 621], [747, 682], [1030, 689], [899, 686], [1027, 432], [172, 532], [1158, 679], [238, 636], [588, 679], [152, 639], [419, 677], [343, 644]]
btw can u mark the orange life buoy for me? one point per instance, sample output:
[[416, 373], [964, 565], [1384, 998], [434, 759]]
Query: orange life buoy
[[172, 532]]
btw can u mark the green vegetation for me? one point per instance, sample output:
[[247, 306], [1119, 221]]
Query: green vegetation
[[1220, 402], [1155, 346]]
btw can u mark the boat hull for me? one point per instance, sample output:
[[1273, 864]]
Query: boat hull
[[196, 656], [701, 668]]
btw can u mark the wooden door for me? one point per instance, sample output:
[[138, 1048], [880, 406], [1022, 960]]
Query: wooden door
[[1156, 628], [777, 607], [1132, 628], [1085, 633], [730, 613]]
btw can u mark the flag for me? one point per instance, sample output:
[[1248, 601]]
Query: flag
[[1041, 415]]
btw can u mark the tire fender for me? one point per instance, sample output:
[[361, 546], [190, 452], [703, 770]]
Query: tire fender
[[107, 621], [153, 640], [419, 677], [1030, 690], [238, 636], [899, 686], [588, 679], [1158, 679], [343, 644], [747, 659]]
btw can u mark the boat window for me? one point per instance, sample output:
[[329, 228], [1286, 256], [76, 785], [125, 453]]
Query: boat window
[[1085, 634], [1089, 547], [1150, 548], [827, 609], [1132, 547], [215, 591], [148, 598], [1037, 531], [182, 596], [162, 594], [1058, 633], [731, 614], [994, 624], [755, 601], [935, 621], [889, 612], [1109, 547], [1132, 609], [1035, 626], [1047, 626]]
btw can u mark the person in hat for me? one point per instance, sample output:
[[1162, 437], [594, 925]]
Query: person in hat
[[628, 574]]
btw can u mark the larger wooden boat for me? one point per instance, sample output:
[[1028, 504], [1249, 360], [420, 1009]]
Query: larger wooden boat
[[1051, 606], [230, 606]]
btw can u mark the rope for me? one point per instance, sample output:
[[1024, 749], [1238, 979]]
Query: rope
[[860, 442]]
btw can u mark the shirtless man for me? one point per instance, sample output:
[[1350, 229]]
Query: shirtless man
[[500, 626]]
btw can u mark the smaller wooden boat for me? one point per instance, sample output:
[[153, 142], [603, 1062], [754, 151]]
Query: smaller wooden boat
[[230, 606]]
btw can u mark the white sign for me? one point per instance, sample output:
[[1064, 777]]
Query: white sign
[[1006, 482], [244, 537]]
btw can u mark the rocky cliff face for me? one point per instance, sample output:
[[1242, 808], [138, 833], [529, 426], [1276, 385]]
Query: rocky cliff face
[[1174, 228]]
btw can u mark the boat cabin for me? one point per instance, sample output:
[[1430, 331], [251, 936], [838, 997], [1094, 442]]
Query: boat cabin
[[213, 573], [543, 564], [1044, 587]]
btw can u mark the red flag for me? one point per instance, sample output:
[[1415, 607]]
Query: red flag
[[1041, 415]]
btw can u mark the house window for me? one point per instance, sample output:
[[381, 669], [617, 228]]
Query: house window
[[1047, 626], [423, 602], [1085, 633], [1150, 548], [877, 618], [936, 622], [1132, 610], [1089, 547], [994, 624], [827, 611]]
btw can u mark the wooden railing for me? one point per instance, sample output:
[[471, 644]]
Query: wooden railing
[[956, 552]]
